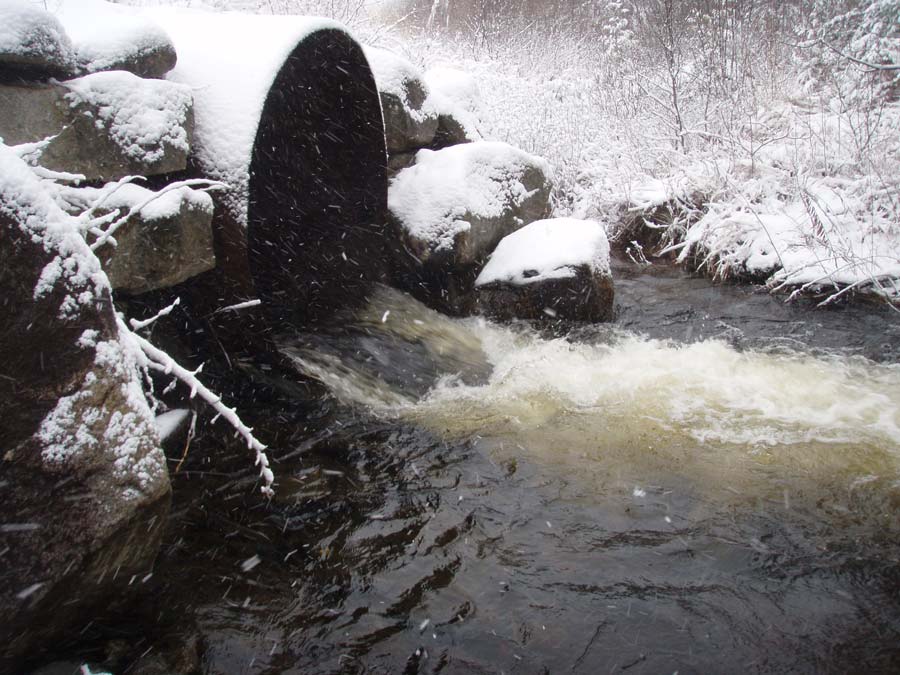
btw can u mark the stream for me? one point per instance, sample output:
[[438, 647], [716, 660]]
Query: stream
[[709, 484]]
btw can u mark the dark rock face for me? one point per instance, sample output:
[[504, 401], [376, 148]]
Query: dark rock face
[[84, 489], [81, 143], [399, 161], [587, 296], [408, 127], [450, 131]]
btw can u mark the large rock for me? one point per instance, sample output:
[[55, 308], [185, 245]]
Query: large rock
[[456, 97], [104, 126], [410, 120], [109, 36], [453, 206], [84, 489], [550, 269], [164, 243], [33, 44]]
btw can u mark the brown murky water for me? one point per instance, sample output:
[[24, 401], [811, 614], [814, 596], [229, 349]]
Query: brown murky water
[[710, 485]]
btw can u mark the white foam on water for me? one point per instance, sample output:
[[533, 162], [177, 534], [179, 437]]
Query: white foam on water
[[708, 389], [628, 407]]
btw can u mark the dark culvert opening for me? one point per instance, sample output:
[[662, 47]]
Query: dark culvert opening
[[318, 184]]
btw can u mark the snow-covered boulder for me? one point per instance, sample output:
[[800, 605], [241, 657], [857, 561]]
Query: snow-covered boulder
[[410, 118], [33, 43], [85, 488], [454, 205], [458, 202], [104, 126], [109, 36], [550, 269], [167, 241], [456, 97]]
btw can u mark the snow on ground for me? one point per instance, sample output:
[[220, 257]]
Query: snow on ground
[[143, 117], [28, 32], [758, 181], [547, 249], [106, 34], [230, 61], [433, 198]]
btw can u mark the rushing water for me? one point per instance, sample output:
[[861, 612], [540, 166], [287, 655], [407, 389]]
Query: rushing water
[[712, 484]]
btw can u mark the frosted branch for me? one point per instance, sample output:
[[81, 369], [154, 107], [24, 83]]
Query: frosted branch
[[158, 360], [198, 183], [137, 325]]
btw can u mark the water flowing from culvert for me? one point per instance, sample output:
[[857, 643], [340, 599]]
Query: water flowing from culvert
[[616, 400], [711, 484]]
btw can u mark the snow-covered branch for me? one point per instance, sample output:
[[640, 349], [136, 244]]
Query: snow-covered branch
[[197, 183], [156, 359]]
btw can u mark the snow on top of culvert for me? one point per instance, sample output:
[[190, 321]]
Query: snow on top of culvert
[[230, 61], [433, 198], [105, 34], [25, 198], [28, 32], [547, 249], [143, 117]]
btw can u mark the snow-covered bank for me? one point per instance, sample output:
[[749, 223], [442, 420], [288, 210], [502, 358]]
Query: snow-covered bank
[[793, 180]]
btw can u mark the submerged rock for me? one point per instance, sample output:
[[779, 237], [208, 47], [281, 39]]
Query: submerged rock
[[84, 489], [550, 269]]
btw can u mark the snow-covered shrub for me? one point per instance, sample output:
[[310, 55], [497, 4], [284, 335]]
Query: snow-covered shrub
[[851, 50]]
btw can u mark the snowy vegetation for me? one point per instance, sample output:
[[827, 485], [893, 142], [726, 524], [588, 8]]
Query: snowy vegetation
[[760, 139]]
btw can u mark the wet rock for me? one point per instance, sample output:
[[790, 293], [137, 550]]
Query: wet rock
[[84, 488], [33, 44], [550, 270], [453, 206], [410, 121], [104, 126], [60, 668], [177, 655]]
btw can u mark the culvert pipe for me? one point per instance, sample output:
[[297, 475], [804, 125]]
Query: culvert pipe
[[287, 114]]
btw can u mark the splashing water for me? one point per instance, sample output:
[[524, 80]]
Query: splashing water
[[616, 401]]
